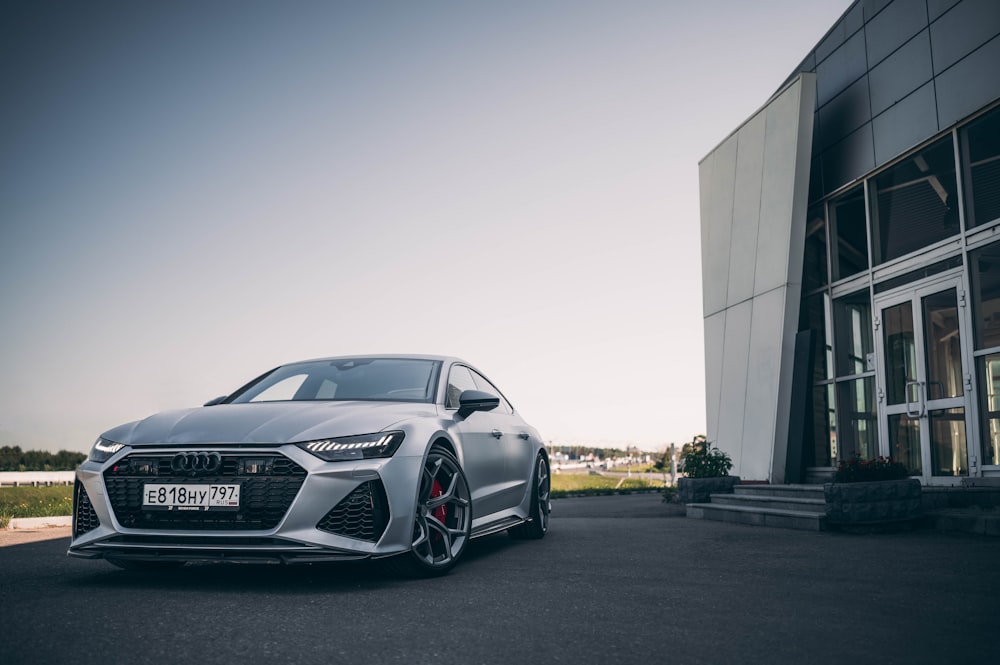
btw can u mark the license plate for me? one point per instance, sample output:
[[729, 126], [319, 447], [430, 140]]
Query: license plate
[[190, 496]]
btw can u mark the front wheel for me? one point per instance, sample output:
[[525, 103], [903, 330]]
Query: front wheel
[[538, 524], [443, 519]]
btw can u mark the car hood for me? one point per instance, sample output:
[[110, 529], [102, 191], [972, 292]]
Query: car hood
[[271, 422]]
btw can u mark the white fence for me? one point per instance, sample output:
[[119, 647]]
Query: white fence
[[35, 478]]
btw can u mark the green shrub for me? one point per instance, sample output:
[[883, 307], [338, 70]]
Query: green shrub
[[702, 461], [670, 494], [857, 470]]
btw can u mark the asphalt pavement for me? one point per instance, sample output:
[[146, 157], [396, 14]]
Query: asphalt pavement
[[619, 579]]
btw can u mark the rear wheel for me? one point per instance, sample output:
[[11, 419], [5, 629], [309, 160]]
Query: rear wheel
[[443, 519], [540, 508]]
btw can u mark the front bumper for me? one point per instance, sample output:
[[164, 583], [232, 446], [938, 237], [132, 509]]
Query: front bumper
[[294, 508]]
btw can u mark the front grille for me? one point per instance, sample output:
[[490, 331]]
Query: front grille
[[363, 514], [268, 484], [84, 517]]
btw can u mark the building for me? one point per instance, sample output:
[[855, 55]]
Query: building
[[851, 253]]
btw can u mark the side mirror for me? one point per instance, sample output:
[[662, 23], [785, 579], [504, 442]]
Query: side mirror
[[217, 400], [471, 401]]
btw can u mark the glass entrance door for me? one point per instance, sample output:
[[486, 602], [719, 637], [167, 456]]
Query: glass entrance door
[[925, 380]]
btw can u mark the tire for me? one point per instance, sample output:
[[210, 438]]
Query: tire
[[442, 522], [538, 516], [146, 566]]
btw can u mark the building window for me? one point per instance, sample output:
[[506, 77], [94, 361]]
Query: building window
[[915, 203], [989, 391], [849, 234], [815, 314], [984, 277], [858, 430], [981, 152], [823, 450], [814, 265], [853, 319]]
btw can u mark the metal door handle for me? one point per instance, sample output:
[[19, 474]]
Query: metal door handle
[[524, 435], [497, 433]]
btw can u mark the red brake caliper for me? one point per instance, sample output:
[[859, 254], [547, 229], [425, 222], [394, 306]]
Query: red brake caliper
[[441, 512]]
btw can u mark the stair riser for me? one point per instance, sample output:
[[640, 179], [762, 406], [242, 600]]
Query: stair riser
[[764, 490], [735, 500], [756, 519]]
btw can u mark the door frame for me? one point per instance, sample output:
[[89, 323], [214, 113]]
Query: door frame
[[914, 293]]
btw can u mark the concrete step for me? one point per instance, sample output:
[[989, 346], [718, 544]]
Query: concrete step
[[810, 505], [794, 491], [756, 516], [984, 522]]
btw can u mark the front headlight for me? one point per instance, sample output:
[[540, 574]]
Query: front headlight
[[380, 444], [103, 450]]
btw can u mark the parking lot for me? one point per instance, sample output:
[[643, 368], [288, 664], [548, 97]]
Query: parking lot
[[618, 579]]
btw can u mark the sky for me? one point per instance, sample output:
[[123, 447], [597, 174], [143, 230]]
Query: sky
[[192, 193]]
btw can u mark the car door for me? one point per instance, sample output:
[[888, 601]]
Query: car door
[[514, 439], [482, 450]]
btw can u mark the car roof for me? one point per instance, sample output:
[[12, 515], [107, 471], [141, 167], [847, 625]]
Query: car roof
[[401, 356]]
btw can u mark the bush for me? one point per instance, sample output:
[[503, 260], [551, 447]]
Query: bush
[[857, 470], [670, 494], [701, 461]]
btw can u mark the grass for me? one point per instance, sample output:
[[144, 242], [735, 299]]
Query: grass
[[566, 484], [35, 502]]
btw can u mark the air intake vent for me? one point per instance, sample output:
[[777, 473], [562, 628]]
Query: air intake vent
[[84, 517], [363, 514]]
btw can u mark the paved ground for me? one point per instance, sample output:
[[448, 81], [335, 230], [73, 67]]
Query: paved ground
[[21, 536], [618, 579]]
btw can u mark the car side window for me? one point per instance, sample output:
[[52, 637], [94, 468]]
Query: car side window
[[459, 379], [483, 384]]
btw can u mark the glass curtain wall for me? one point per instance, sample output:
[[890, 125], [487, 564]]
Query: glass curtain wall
[[911, 207], [852, 317], [984, 273], [980, 149]]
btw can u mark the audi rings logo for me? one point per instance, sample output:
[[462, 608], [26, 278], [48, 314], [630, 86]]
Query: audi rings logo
[[196, 464]]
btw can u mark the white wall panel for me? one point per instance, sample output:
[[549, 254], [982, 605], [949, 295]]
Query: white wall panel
[[717, 219], [777, 191], [763, 374], [746, 210], [735, 359], [715, 339]]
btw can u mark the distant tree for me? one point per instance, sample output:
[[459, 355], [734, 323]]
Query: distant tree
[[12, 458]]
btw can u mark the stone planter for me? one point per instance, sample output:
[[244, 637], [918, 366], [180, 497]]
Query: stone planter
[[698, 490], [879, 502]]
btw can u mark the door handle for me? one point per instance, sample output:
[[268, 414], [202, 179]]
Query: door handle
[[524, 435], [497, 433]]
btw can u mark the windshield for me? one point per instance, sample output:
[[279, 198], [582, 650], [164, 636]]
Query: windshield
[[381, 379]]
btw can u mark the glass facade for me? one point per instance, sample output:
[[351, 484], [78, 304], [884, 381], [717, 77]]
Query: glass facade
[[915, 202], [981, 155], [905, 363], [849, 234], [858, 430], [853, 319]]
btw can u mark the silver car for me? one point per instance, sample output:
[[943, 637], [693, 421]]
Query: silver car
[[404, 458]]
